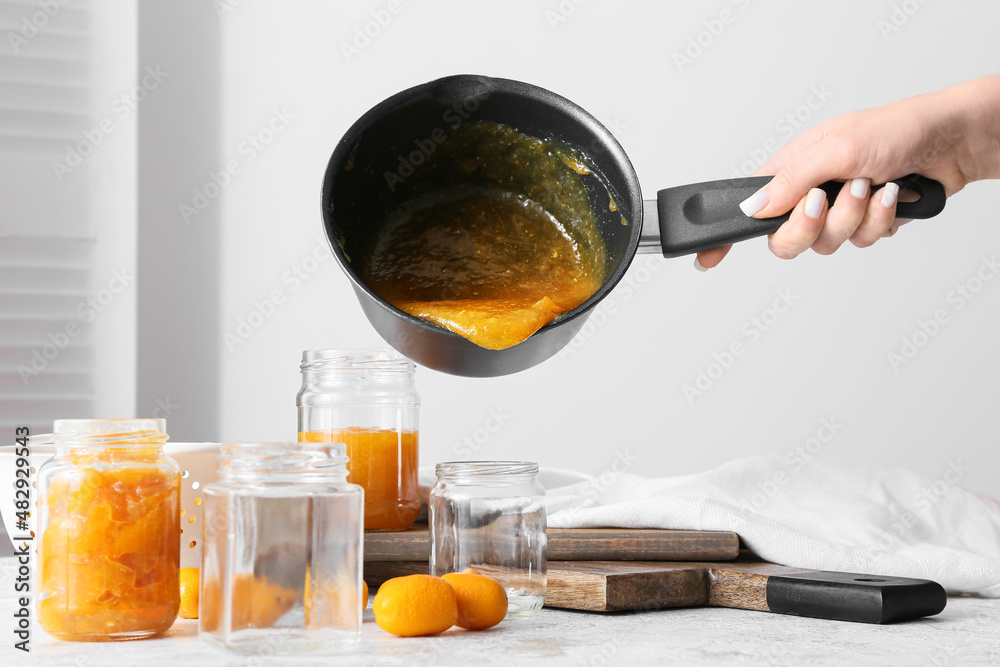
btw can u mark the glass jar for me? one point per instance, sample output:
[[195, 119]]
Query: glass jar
[[490, 516], [367, 399], [281, 550], [110, 526]]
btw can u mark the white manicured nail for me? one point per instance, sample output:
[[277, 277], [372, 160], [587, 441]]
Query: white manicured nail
[[814, 202], [754, 203], [698, 265], [889, 194], [859, 187]]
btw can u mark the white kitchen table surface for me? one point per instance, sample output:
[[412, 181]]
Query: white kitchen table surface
[[966, 633]]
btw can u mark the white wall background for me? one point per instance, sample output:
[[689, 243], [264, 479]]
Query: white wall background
[[621, 390]]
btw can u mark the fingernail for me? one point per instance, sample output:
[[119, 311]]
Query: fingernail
[[889, 194], [698, 265], [814, 202], [859, 187], [754, 203]]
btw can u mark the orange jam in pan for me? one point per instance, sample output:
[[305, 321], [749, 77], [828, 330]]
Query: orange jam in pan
[[497, 238]]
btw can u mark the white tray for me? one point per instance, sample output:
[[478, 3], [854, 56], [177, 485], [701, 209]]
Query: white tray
[[199, 462]]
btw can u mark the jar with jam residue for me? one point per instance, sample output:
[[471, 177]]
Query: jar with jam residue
[[110, 531], [367, 399]]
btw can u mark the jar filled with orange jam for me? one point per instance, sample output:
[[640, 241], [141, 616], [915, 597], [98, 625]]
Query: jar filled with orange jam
[[367, 399], [110, 531]]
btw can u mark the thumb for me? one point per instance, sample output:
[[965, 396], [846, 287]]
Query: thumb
[[792, 181]]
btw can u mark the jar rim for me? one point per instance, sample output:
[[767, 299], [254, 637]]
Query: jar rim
[[270, 458], [117, 432], [479, 469], [381, 359]]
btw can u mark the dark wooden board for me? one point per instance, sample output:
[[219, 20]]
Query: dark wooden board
[[620, 586], [565, 544], [748, 583], [623, 585]]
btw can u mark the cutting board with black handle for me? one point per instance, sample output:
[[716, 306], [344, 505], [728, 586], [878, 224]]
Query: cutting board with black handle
[[744, 584], [580, 544], [614, 586]]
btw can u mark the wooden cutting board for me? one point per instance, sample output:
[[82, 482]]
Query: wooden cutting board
[[748, 583], [566, 544]]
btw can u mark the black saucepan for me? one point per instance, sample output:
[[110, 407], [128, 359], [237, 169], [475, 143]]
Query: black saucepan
[[391, 141]]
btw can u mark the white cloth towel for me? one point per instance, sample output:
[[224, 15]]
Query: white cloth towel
[[823, 516]]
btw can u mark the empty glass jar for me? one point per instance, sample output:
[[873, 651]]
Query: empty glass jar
[[110, 531], [490, 516], [367, 399], [281, 550]]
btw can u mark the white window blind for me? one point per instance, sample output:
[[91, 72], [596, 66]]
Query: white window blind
[[56, 236]]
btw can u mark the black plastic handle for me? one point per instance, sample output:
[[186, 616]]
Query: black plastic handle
[[862, 598], [707, 215]]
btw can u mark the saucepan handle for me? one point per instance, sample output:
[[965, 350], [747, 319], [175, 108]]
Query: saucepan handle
[[707, 215]]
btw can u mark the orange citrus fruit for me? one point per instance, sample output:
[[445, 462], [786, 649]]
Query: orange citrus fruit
[[415, 605], [189, 592], [364, 595], [482, 602]]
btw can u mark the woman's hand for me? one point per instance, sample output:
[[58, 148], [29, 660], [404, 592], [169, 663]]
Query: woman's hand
[[951, 136]]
